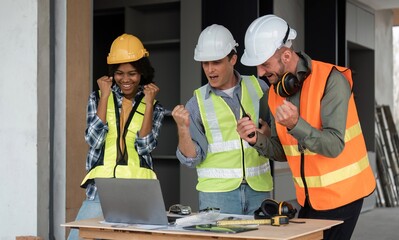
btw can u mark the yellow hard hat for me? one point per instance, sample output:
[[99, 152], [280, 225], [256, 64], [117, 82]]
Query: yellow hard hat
[[126, 48]]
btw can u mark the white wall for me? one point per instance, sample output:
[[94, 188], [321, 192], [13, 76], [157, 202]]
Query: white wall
[[18, 121]]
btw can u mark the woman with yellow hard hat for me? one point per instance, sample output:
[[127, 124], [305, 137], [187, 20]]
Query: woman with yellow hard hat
[[123, 122]]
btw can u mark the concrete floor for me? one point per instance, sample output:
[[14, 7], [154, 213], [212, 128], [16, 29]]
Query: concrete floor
[[378, 224]]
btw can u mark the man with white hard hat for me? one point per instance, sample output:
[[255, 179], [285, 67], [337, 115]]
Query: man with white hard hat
[[314, 126], [232, 176]]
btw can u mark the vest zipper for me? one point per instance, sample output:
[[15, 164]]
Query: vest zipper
[[303, 179], [118, 133], [243, 162], [242, 145], [122, 158]]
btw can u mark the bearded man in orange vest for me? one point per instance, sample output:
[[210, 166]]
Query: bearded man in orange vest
[[314, 126]]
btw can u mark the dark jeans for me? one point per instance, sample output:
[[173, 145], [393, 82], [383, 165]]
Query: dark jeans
[[348, 213]]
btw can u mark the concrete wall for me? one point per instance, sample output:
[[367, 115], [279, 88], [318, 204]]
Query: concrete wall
[[19, 118], [384, 58], [292, 12], [396, 75], [44, 96], [59, 155], [189, 37]]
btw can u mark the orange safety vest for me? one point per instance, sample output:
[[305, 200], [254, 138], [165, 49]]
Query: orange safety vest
[[328, 182]]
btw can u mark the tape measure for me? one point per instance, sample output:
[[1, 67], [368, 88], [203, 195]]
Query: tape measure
[[274, 221]]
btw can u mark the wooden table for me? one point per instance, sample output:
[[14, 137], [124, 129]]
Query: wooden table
[[94, 229]]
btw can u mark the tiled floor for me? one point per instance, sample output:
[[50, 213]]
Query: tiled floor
[[378, 224]]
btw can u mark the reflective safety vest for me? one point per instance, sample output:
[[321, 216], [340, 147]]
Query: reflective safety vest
[[114, 163], [327, 183], [229, 159]]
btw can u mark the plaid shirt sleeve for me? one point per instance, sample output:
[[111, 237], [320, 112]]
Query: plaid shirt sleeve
[[96, 130], [95, 134], [147, 144]]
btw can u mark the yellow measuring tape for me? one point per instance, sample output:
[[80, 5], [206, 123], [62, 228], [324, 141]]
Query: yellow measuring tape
[[274, 221]]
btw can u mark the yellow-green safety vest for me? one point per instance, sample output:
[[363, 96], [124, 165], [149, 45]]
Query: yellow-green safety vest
[[230, 159], [113, 165]]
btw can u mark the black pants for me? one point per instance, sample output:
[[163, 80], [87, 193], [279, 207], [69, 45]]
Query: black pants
[[348, 213]]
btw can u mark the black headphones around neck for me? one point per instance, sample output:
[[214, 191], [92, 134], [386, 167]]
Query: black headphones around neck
[[289, 84], [270, 208]]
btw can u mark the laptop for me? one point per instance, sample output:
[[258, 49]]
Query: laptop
[[132, 201]]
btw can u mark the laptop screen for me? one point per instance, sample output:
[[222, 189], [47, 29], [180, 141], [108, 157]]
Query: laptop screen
[[132, 201]]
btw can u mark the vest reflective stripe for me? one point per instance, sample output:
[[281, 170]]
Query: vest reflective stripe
[[330, 182], [334, 176], [223, 170], [350, 133], [226, 146], [232, 172], [109, 167], [254, 97], [292, 150], [257, 170], [212, 119], [353, 132]]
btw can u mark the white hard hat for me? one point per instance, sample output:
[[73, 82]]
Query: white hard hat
[[263, 37], [214, 43]]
